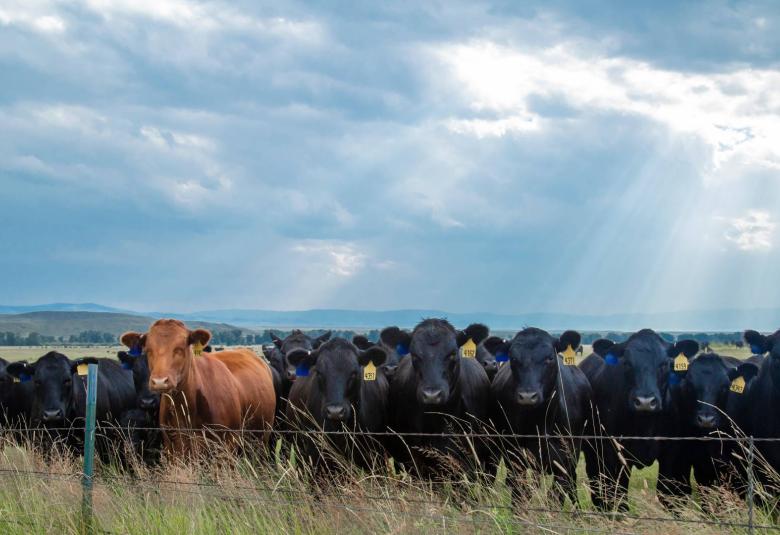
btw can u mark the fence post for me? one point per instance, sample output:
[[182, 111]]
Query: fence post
[[751, 484], [89, 450]]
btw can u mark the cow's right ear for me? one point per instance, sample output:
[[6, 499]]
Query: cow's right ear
[[74, 364], [21, 370], [276, 340], [746, 370], [321, 339], [759, 344], [301, 358], [126, 359], [361, 342], [397, 339], [376, 354], [494, 344], [133, 340], [602, 346]]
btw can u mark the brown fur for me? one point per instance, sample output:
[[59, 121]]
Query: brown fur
[[230, 389]]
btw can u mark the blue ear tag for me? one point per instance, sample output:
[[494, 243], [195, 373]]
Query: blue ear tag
[[127, 365], [401, 349], [135, 351], [502, 357], [302, 370], [755, 349], [674, 379], [24, 377], [610, 359]]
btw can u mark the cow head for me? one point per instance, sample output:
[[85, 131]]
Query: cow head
[[704, 391], [278, 361], [168, 347], [297, 341], [6, 383], [139, 366], [54, 383], [534, 362], [435, 357], [338, 369], [762, 344], [397, 342], [646, 360], [479, 334]]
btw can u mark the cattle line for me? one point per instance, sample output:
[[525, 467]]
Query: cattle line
[[211, 430]]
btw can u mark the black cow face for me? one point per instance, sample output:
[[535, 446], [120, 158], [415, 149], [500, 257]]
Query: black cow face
[[533, 357], [54, 380], [145, 398], [338, 369], [397, 342], [760, 344], [6, 383], [297, 341], [278, 361], [705, 391], [646, 360], [486, 354], [436, 360]]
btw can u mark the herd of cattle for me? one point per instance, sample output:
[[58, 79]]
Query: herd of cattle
[[436, 399]]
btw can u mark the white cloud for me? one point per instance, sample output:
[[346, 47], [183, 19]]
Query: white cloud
[[734, 112], [340, 259], [752, 232], [37, 16]]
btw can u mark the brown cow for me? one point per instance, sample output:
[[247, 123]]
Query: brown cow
[[231, 389]]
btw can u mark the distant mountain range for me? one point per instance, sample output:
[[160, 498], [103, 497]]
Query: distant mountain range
[[729, 320]]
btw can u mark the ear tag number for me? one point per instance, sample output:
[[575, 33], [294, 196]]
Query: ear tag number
[[82, 369], [738, 385], [17, 380], [369, 372], [197, 349], [469, 349], [569, 356], [680, 363], [302, 370]]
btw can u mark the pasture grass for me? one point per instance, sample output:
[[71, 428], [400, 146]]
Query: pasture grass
[[221, 492]]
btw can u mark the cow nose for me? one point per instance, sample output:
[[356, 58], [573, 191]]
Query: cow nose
[[52, 415], [706, 421], [432, 396], [528, 398], [335, 412], [646, 403], [156, 383], [490, 366], [146, 403], [291, 375], [390, 370]]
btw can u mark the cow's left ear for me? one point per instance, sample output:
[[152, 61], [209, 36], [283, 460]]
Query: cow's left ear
[[74, 364], [301, 358], [21, 370], [759, 344], [361, 342], [494, 344], [689, 348], [568, 339], [746, 370], [477, 332], [199, 336], [321, 339], [376, 354]]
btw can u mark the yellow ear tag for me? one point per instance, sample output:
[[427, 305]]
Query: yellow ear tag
[[569, 356], [680, 363], [369, 372], [738, 385], [16, 380], [197, 349], [469, 349], [82, 369]]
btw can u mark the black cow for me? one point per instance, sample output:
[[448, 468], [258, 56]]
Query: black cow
[[15, 398], [703, 404], [437, 391], [630, 383], [59, 395], [142, 422], [395, 341], [762, 396], [336, 395], [537, 394]]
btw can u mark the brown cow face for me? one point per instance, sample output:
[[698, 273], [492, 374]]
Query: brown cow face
[[168, 348]]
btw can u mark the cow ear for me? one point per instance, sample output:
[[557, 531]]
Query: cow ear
[[568, 339], [759, 344], [602, 346], [393, 336], [494, 344], [208, 349], [74, 364], [125, 358], [747, 370], [477, 332], [689, 348], [20, 369], [199, 336], [133, 340], [376, 354], [321, 339], [361, 342], [276, 340], [302, 357]]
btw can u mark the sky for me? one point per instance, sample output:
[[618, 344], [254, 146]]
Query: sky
[[585, 157]]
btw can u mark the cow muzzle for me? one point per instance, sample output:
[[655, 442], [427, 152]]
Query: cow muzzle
[[528, 399], [646, 404], [52, 415], [432, 396], [336, 413], [706, 421], [160, 384]]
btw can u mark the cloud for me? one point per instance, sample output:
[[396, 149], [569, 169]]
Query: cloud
[[734, 111], [339, 259], [752, 232]]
